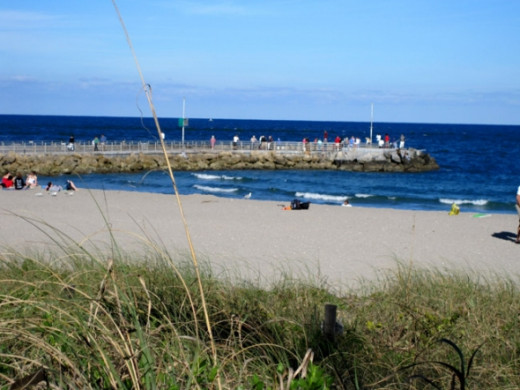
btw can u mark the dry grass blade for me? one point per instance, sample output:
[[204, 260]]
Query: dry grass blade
[[307, 359], [147, 89], [101, 292], [149, 305]]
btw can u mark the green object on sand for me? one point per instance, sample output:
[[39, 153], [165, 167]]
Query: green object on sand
[[481, 215]]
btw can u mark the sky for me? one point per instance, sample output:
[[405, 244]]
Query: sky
[[443, 61]]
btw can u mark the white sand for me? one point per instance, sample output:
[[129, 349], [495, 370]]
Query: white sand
[[259, 240]]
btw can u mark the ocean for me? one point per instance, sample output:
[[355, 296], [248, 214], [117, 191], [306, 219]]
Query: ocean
[[479, 164]]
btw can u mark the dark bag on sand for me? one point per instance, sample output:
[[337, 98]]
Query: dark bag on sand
[[297, 205], [304, 205]]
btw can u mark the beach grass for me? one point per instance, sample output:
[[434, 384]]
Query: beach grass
[[76, 319]]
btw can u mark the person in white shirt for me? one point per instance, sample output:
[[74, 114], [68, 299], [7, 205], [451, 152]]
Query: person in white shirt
[[31, 181], [346, 203], [518, 211]]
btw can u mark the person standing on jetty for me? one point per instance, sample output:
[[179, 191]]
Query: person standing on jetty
[[253, 142], [401, 141], [518, 211], [103, 141], [70, 145], [95, 142], [387, 140]]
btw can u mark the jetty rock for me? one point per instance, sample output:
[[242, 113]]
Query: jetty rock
[[360, 160], [385, 160]]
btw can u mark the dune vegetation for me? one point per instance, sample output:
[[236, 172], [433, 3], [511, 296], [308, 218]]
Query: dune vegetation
[[77, 319]]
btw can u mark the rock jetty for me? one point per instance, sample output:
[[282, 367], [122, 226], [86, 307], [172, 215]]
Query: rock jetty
[[375, 160]]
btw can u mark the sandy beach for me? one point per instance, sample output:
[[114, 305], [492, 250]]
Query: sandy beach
[[259, 240]]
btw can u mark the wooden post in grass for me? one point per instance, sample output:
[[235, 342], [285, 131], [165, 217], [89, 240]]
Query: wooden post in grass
[[329, 322]]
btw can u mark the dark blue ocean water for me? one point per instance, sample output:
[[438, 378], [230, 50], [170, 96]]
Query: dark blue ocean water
[[479, 164]]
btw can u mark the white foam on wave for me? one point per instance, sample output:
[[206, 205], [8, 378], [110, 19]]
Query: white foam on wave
[[363, 195], [231, 177], [207, 176], [325, 197], [215, 189], [477, 202]]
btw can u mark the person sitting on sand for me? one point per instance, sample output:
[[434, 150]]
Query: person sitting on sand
[[53, 188], [7, 181], [31, 181], [346, 203], [70, 186], [455, 210], [19, 182]]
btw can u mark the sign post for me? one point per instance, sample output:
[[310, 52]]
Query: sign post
[[183, 119]]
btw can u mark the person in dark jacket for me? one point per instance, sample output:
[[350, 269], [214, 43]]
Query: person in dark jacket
[[19, 182]]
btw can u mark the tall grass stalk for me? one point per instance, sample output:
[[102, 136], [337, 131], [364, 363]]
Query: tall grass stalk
[[148, 92]]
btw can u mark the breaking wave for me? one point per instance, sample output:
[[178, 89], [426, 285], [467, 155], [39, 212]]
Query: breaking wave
[[207, 176], [322, 197], [215, 189], [478, 202]]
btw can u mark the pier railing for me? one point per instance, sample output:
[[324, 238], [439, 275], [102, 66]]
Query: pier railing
[[124, 147]]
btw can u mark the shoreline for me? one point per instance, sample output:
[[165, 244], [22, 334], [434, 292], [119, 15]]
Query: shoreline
[[259, 241], [238, 184], [465, 206]]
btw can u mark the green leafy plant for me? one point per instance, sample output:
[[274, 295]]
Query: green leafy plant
[[315, 379], [459, 374]]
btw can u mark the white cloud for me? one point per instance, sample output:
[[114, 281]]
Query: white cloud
[[22, 79], [212, 8], [24, 20]]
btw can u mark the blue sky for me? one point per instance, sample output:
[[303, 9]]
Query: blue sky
[[444, 61]]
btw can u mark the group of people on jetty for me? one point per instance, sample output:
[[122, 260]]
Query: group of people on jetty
[[268, 143], [97, 142], [355, 142], [17, 182]]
